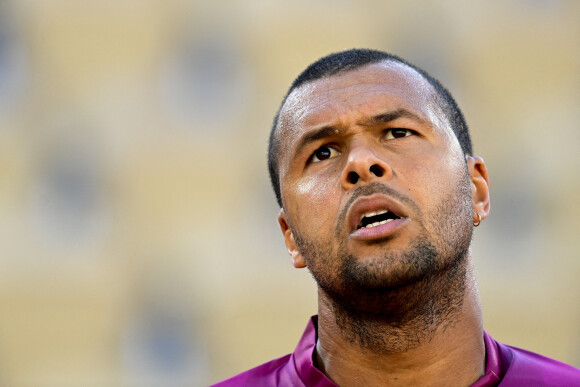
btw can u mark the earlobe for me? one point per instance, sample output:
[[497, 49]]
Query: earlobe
[[479, 187], [296, 257]]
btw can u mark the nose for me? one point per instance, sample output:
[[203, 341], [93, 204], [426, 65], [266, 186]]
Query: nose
[[362, 166]]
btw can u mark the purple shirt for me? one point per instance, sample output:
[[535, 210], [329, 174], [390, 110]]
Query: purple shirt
[[505, 366]]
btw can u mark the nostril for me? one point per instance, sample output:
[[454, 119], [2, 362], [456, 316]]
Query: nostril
[[352, 177], [377, 170]]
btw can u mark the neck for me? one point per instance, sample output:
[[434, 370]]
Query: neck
[[442, 341]]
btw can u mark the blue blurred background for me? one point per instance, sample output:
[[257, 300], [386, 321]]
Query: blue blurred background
[[139, 242]]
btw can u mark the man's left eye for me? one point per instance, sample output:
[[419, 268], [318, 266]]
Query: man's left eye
[[397, 133]]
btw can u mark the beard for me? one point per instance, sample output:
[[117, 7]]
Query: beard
[[396, 300]]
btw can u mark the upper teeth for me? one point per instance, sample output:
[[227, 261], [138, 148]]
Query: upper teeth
[[374, 213]]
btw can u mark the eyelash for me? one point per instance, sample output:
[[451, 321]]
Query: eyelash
[[331, 148], [388, 132]]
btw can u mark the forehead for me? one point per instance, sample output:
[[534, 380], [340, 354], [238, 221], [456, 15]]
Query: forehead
[[369, 90], [389, 78]]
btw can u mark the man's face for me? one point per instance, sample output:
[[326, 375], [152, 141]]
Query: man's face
[[374, 183]]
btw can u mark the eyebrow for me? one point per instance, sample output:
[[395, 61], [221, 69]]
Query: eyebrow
[[315, 135], [329, 131], [391, 116]]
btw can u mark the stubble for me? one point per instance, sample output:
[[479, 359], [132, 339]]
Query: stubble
[[396, 301]]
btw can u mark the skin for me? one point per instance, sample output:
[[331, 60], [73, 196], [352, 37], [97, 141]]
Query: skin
[[421, 324]]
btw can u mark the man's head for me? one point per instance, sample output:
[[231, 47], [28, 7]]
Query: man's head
[[379, 191], [350, 60]]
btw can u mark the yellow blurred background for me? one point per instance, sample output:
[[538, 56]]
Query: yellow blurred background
[[139, 242]]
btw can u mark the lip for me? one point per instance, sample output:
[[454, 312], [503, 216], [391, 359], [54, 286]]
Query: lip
[[375, 202], [378, 232]]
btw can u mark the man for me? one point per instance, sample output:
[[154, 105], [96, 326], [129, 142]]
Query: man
[[371, 162]]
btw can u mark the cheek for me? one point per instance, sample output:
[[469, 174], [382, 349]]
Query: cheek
[[315, 200], [422, 174], [307, 186], [429, 178]]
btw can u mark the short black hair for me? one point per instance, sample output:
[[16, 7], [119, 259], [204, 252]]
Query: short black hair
[[340, 62]]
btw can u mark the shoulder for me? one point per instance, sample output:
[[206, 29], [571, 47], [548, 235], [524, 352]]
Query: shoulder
[[294, 369], [527, 368], [266, 374]]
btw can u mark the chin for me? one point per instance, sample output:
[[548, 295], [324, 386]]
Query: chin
[[389, 269]]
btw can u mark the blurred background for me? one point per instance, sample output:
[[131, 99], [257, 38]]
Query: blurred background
[[139, 242]]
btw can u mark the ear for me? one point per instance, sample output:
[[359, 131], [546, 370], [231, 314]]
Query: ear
[[297, 259], [479, 186]]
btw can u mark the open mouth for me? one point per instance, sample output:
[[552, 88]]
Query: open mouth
[[376, 218]]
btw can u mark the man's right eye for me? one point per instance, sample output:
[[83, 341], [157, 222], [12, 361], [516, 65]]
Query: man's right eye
[[323, 153]]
